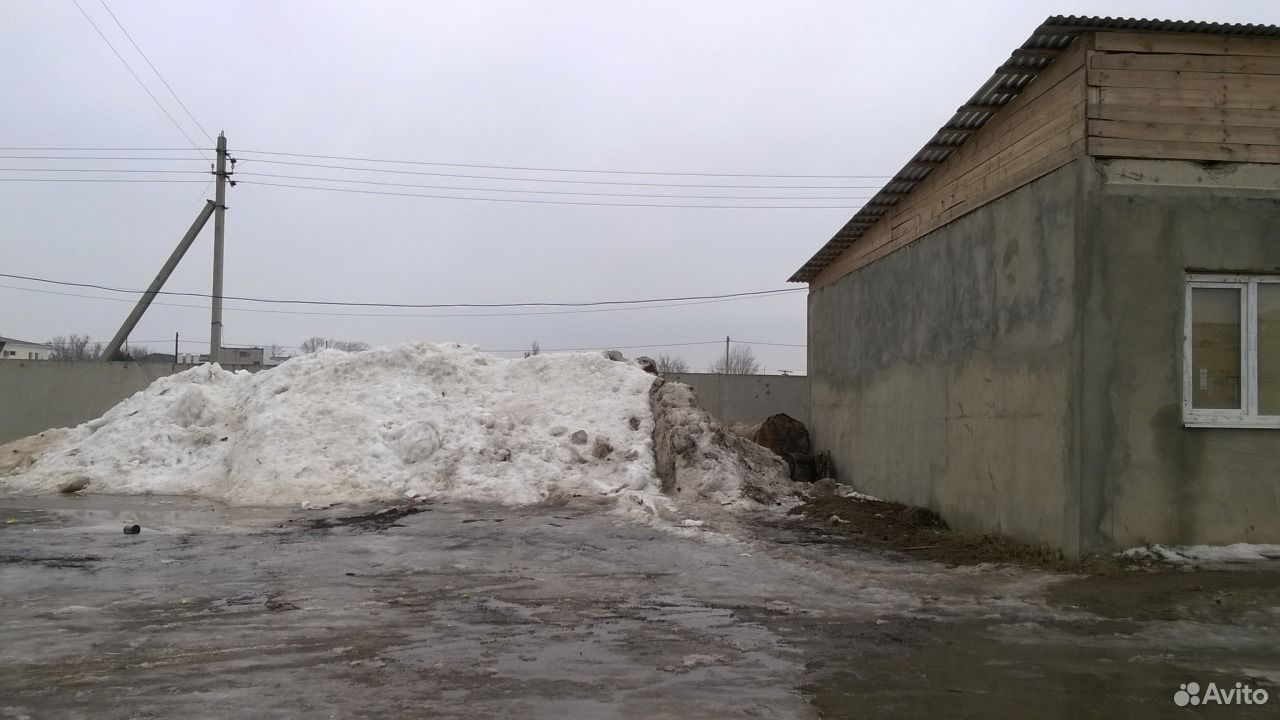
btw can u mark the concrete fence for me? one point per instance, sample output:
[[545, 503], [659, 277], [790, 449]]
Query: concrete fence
[[749, 398], [38, 395]]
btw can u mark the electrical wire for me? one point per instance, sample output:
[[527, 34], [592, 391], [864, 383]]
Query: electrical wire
[[564, 170], [99, 149], [95, 157], [99, 180], [157, 72], [592, 303], [770, 344], [547, 202], [135, 75], [328, 166], [629, 308], [101, 170], [535, 192]]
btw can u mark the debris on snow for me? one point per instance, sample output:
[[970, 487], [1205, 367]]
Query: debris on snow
[[74, 485], [699, 459]]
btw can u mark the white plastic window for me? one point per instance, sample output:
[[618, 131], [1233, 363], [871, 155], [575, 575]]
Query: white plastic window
[[1231, 351]]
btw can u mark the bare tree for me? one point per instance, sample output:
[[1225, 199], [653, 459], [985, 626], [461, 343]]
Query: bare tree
[[533, 349], [741, 361], [74, 347], [671, 364], [134, 352], [316, 344]]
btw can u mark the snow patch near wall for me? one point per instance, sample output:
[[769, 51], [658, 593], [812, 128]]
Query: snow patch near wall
[[1205, 554]]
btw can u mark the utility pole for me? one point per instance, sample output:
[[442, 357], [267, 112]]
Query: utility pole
[[726, 354], [220, 209], [175, 348]]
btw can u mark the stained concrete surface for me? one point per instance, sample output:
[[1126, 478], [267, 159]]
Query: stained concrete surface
[[479, 611]]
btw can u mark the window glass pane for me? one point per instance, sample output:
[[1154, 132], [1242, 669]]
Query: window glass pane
[[1215, 348], [1269, 348]]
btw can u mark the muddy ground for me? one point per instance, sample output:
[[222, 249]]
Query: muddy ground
[[463, 610]]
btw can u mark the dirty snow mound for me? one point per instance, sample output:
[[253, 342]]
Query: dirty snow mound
[[699, 459], [418, 420]]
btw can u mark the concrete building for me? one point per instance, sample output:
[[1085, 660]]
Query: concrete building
[[11, 349], [1060, 321], [240, 356]]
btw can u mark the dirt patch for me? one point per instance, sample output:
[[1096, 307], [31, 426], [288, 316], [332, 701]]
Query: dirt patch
[[918, 533], [1205, 596], [369, 522]]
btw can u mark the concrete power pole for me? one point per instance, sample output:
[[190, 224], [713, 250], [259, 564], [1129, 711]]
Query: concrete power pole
[[220, 209]]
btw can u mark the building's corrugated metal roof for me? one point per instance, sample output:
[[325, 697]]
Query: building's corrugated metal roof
[[4, 340], [1010, 79]]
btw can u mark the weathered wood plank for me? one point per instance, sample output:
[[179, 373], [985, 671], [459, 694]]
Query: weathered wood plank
[[1164, 97], [1181, 62], [1041, 122], [972, 190], [1186, 115], [1055, 125], [1158, 128], [1173, 150], [1185, 43], [1017, 178], [1231, 82]]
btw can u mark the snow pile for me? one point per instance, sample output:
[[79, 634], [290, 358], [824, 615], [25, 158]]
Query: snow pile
[[418, 420], [699, 459], [1205, 554]]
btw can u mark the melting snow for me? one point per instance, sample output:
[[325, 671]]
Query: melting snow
[[1206, 554], [418, 420]]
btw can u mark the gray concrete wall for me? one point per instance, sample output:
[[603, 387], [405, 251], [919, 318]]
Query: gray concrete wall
[[749, 398], [38, 395], [1145, 477], [946, 374]]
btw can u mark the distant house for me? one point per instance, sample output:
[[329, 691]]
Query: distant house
[[1061, 319], [11, 349], [249, 356], [155, 358], [242, 356]]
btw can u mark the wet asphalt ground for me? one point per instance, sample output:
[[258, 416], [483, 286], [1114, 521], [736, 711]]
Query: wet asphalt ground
[[457, 610]]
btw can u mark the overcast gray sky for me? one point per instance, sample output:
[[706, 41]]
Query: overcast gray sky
[[785, 88]]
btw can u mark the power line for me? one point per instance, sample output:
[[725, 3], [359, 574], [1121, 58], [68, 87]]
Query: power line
[[593, 303], [100, 149], [504, 178], [157, 72], [538, 313], [99, 180], [134, 74], [101, 170], [95, 157], [770, 344], [586, 348], [564, 170], [534, 192], [548, 202]]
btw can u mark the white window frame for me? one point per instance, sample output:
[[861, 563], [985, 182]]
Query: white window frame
[[1247, 416]]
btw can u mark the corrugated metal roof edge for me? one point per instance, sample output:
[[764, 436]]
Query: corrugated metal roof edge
[[1024, 64]]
